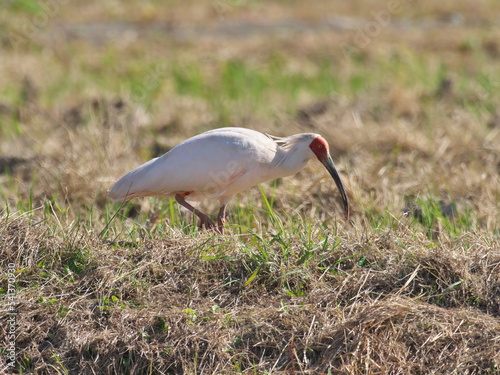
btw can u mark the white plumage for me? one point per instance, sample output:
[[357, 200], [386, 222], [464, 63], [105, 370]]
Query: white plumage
[[220, 163]]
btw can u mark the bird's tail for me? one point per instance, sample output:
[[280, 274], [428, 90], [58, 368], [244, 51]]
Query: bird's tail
[[120, 192], [134, 184]]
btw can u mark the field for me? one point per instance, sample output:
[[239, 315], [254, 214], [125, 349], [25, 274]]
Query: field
[[408, 96]]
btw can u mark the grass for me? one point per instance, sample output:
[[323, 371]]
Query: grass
[[410, 285]]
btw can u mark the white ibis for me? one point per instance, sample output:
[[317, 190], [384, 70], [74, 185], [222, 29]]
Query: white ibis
[[222, 162]]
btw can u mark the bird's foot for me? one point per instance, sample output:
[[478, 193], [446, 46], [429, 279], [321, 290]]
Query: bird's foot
[[221, 221], [220, 224], [208, 224]]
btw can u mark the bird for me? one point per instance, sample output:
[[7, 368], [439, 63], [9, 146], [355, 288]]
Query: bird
[[221, 163]]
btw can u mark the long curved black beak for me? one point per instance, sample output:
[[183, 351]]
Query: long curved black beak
[[328, 163]]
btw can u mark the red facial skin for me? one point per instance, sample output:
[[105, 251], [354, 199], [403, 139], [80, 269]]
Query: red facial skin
[[320, 147]]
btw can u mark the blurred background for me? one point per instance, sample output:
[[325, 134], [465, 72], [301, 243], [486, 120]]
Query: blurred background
[[406, 93]]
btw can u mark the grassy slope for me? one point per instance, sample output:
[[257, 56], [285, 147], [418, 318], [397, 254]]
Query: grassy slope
[[410, 110]]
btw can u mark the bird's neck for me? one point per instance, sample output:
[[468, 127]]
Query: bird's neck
[[291, 160]]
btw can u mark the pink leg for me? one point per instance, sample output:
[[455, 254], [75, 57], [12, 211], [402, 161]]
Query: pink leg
[[204, 219]]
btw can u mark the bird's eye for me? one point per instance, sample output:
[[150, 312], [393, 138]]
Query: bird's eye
[[320, 146]]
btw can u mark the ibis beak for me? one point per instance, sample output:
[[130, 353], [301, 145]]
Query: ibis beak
[[328, 163]]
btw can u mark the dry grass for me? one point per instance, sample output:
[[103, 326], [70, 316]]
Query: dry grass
[[369, 306], [410, 286]]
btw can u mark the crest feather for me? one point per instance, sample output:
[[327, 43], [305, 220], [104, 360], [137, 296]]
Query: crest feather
[[287, 142]]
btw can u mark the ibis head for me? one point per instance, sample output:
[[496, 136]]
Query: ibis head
[[320, 148]]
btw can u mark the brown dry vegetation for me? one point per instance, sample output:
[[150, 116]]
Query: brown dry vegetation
[[414, 308], [410, 286]]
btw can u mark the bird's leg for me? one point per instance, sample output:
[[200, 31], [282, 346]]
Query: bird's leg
[[221, 218], [204, 219]]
